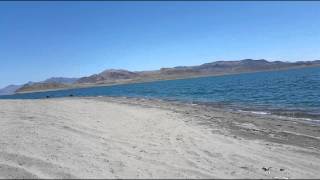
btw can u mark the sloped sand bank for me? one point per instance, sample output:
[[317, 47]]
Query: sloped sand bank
[[126, 138]]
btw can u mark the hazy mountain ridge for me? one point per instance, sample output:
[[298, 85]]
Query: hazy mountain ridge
[[41, 86], [118, 76], [10, 89], [50, 83]]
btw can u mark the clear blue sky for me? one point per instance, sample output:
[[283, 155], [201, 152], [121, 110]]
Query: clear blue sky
[[44, 39]]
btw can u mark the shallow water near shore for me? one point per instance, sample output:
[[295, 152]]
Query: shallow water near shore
[[294, 93]]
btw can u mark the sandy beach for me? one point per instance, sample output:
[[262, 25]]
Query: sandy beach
[[106, 137]]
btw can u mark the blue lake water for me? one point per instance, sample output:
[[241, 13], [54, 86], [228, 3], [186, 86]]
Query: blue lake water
[[293, 92]]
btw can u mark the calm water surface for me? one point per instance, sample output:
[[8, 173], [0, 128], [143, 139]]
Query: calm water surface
[[293, 92]]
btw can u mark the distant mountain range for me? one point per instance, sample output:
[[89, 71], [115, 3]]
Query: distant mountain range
[[51, 83], [119, 76], [208, 69], [54, 82]]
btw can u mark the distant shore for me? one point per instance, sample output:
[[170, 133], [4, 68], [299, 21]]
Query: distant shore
[[105, 137], [134, 81]]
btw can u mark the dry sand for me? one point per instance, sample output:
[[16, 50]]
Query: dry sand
[[130, 138]]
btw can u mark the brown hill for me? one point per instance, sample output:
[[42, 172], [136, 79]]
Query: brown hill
[[108, 76]]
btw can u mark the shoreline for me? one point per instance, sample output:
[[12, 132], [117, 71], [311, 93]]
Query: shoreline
[[282, 113], [119, 137], [260, 125]]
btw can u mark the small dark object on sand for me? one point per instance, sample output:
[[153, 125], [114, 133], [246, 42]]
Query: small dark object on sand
[[71, 95], [47, 96], [281, 169], [266, 169]]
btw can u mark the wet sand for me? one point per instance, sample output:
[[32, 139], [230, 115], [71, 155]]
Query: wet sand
[[106, 137]]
